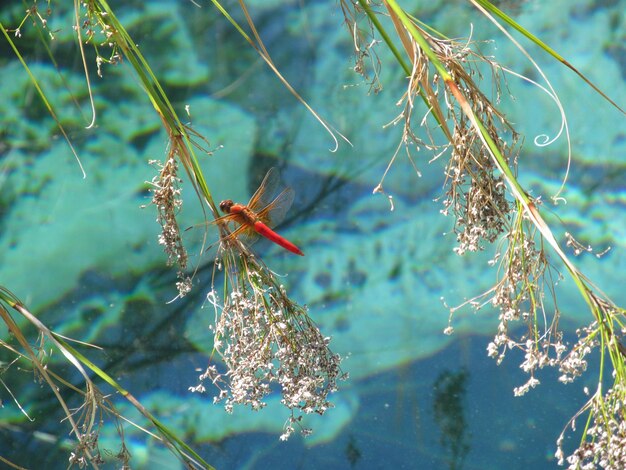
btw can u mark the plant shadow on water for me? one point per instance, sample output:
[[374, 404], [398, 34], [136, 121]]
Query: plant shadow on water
[[449, 410]]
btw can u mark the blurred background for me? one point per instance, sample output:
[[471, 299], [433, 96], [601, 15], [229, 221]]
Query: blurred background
[[83, 253]]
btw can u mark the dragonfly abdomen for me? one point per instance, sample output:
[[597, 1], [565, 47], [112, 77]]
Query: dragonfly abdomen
[[268, 233]]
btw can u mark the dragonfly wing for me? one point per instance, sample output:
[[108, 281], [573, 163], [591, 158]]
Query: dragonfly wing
[[274, 213], [223, 220], [268, 187], [245, 233]]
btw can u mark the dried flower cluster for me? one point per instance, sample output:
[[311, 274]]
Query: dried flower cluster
[[366, 61], [518, 294], [99, 33], [575, 363], [480, 207], [476, 197], [482, 165], [263, 339], [166, 197], [604, 442], [90, 417], [87, 452], [476, 193]]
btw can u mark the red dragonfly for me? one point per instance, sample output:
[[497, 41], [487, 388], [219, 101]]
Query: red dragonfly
[[260, 214]]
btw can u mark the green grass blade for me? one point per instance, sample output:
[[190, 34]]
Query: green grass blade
[[42, 95], [530, 36], [178, 445]]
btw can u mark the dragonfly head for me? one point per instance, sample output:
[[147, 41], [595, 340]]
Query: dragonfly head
[[226, 205]]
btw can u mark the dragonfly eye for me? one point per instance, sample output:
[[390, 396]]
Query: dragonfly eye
[[226, 205]]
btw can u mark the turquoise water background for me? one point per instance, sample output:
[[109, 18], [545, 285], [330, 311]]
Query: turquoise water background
[[83, 253]]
